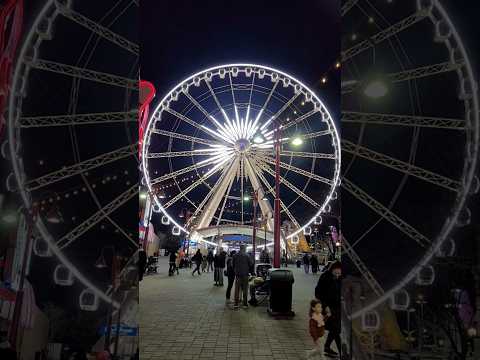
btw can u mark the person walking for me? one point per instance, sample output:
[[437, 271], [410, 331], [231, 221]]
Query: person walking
[[210, 259], [178, 260], [306, 263], [314, 263], [197, 259], [219, 263], [173, 263], [241, 265], [230, 273], [204, 263], [328, 291]]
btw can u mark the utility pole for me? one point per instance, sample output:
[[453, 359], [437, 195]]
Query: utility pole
[[276, 227]]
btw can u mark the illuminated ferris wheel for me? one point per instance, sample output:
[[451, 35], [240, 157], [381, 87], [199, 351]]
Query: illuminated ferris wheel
[[209, 146], [71, 137], [410, 123]]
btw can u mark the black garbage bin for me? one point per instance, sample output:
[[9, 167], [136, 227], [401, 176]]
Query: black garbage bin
[[280, 303]]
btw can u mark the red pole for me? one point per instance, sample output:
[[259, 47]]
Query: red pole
[[276, 226], [254, 235]]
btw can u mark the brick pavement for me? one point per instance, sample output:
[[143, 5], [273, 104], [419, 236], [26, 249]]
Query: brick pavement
[[185, 317]]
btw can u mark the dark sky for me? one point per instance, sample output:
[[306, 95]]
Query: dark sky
[[181, 37]]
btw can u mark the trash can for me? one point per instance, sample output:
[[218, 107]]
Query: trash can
[[280, 303]]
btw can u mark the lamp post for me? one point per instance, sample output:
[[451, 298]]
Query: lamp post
[[296, 141], [276, 226]]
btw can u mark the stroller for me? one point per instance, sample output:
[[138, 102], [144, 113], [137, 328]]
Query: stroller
[[152, 265]]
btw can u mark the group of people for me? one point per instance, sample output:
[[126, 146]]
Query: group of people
[[237, 268], [309, 261], [208, 262]]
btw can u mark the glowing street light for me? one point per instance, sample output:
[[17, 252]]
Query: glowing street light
[[376, 89], [143, 195], [246, 198], [258, 139], [297, 141]]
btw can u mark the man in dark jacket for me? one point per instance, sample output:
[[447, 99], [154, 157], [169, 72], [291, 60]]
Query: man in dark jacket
[[328, 291], [210, 259], [242, 265], [230, 276], [219, 264], [306, 263]]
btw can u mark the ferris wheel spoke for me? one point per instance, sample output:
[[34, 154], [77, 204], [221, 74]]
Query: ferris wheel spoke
[[347, 6], [185, 137], [279, 112], [122, 231], [229, 189], [80, 167], [384, 35], [360, 265], [67, 239], [216, 198], [292, 187], [349, 86], [97, 28], [81, 73], [78, 119], [206, 198], [401, 166], [194, 185], [385, 213], [316, 134], [307, 155], [270, 94], [173, 154], [270, 143], [299, 119], [193, 123], [402, 120], [299, 171], [188, 169]]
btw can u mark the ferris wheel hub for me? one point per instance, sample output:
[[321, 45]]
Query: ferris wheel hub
[[242, 145]]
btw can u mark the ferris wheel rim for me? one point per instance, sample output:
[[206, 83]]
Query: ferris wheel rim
[[468, 174], [158, 108], [15, 101]]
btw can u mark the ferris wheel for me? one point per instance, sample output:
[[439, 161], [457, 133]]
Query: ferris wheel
[[209, 147], [410, 123], [71, 136]]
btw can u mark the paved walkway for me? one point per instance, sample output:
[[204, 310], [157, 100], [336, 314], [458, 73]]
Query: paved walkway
[[185, 317]]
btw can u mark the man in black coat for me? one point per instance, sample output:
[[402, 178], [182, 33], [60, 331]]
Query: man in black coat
[[219, 264], [328, 291]]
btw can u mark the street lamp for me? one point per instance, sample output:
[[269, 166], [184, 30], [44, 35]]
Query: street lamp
[[295, 141], [259, 139], [376, 89]]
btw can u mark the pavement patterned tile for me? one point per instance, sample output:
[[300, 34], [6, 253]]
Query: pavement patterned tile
[[184, 317]]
